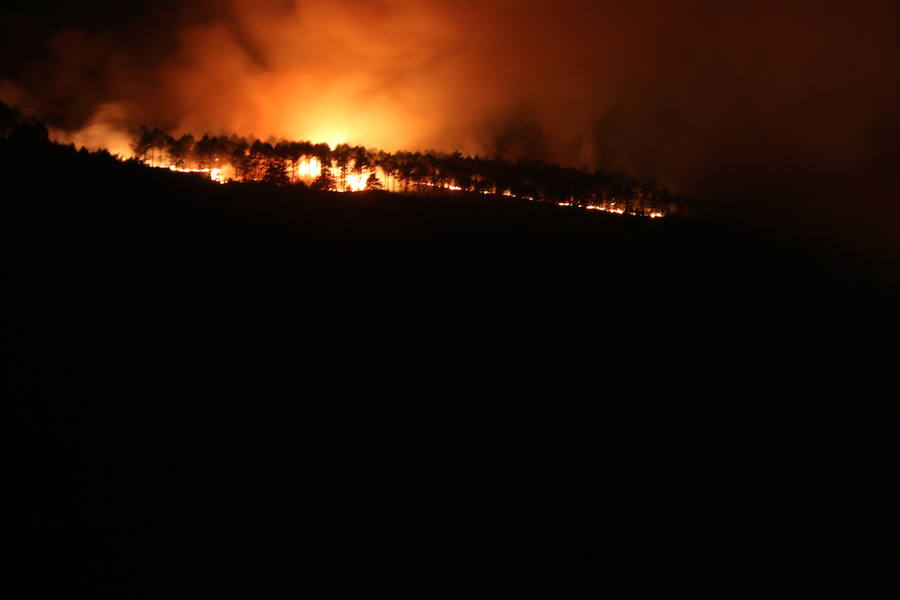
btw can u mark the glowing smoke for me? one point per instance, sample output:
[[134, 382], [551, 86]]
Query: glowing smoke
[[766, 103]]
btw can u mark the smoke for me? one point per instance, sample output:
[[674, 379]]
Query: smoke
[[768, 108]]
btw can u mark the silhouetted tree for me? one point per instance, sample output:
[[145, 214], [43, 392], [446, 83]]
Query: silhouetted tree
[[9, 119], [181, 149], [30, 133], [324, 182], [240, 161], [277, 161], [373, 183]]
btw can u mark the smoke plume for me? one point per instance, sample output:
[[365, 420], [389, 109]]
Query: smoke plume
[[765, 108]]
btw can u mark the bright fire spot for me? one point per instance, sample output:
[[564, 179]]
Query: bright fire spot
[[606, 208], [356, 183], [445, 186], [612, 208], [214, 174], [309, 168]]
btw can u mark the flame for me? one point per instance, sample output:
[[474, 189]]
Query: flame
[[610, 208], [357, 183], [216, 174], [309, 168], [354, 178], [444, 186], [617, 210]]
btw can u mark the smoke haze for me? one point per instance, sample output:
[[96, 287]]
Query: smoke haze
[[780, 111]]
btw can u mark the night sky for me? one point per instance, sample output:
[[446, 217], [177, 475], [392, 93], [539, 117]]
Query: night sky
[[783, 113]]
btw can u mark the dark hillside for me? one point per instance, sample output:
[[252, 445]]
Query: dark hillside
[[155, 316], [405, 287]]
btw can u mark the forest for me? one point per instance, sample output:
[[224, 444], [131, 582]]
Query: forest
[[347, 168], [354, 168]]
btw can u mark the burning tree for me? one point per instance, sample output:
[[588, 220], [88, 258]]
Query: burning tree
[[373, 183], [354, 168]]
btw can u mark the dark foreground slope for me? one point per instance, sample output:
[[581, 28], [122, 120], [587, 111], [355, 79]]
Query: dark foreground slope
[[175, 343]]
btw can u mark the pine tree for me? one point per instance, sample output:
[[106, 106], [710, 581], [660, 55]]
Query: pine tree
[[324, 182], [373, 183]]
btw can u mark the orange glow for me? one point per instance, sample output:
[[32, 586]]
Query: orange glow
[[356, 183], [216, 174], [343, 176], [611, 208], [446, 186], [309, 168], [349, 179]]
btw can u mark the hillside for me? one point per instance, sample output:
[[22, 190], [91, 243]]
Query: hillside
[[412, 285], [157, 314]]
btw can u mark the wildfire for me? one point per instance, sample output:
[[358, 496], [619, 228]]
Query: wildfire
[[347, 168], [618, 210], [445, 186], [356, 182], [345, 179], [216, 174], [309, 168], [606, 208]]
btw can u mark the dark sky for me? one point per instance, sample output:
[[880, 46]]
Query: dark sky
[[784, 112]]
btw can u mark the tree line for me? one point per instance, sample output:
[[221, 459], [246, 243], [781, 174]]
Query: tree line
[[346, 167], [282, 162]]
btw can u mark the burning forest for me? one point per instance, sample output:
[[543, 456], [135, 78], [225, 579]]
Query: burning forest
[[348, 168]]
